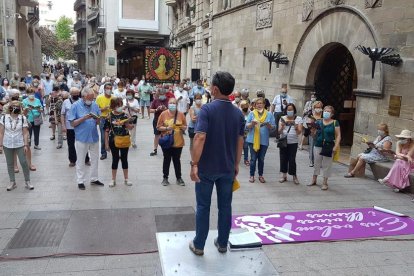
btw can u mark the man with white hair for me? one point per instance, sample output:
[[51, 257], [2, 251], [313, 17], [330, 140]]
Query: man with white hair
[[84, 118]]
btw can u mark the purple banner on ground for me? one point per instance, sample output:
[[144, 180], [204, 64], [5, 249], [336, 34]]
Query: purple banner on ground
[[324, 225]]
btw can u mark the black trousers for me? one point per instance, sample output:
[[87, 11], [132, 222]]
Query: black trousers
[[277, 116], [175, 155], [117, 154], [70, 139], [288, 159], [36, 131]]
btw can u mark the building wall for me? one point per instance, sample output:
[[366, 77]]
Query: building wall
[[350, 23]]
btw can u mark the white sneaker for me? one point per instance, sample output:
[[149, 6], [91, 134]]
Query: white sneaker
[[396, 190], [11, 186], [382, 181], [29, 186], [324, 187], [112, 184], [126, 182]]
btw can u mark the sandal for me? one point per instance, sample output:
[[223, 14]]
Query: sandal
[[261, 179], [16, 170], [247, 162], [32, 168], [283, 179], [251, 180], [296, 181], [349, 175]]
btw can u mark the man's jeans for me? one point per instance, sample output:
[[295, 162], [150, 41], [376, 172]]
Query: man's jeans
[[101, 128], [204, 189], [258, 156]]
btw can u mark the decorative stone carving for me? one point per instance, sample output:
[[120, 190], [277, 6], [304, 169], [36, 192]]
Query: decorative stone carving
[[264, 15], [373, 4], [336, 2], [307, 11]]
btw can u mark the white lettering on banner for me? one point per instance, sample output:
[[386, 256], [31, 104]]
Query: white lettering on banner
[[350, 217], [326, 230], [393, 223], [328, 221]]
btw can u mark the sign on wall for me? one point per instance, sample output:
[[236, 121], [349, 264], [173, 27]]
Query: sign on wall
[[162, 64]]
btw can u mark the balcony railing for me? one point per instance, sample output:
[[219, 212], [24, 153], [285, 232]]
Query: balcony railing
[[79, 48], [33, 15], [79, 4], [171, 3], [93, 39], [28, 3], [79, 25], [93, 15]]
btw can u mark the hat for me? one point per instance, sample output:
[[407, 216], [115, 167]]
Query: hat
[[405, 133]]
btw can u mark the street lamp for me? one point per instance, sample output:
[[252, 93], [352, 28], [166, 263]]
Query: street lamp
[[14, 15]]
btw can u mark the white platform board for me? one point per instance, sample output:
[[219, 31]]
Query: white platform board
[[177, 259]]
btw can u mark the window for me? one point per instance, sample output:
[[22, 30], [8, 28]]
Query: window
[[220, 56], [244, 57]]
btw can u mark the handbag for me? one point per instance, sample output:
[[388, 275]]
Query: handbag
[[191, 132], [282, 142], [37, 120], [327, 146], [167, 141], [120, 141]]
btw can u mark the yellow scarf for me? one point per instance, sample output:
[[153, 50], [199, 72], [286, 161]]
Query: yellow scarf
[[256, 137]]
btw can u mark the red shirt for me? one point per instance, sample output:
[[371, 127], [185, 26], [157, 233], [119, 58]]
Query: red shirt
[[169, 95]]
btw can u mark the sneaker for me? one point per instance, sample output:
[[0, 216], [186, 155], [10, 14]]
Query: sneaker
[[97, 182], [37, 148], [81, 186], [165, 182], [311, 164], [383, 181], [72, 164], [112, 184], [29, 186], [153, 153], [103, 157], [311, 184], [64, 137], [52, 138], [219, 248], [324, 187], [396, 190], [127, 183], [88, 163], [198, 252], [11, 186], [134, 146], [59, 147], [180, 182]]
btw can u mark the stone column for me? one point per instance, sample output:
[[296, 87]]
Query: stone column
[[183, 71], [189, 60], [110, 55]]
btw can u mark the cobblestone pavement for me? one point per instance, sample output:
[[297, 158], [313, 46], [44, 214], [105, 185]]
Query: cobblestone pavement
[[56, 189]]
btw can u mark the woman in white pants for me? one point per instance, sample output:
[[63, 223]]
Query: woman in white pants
[[131, 108]]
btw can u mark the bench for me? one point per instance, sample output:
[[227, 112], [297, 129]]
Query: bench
[[381, 169]]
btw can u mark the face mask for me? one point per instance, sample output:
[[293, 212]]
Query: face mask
[[403, 142], [129, 97], [326, 115], [172, 107], [88, 103], [245, 109], [162, 97], [16, 78], [120, 89], [318, 110], [108, 92], [35, 84], [180, 89], [198, 101], [290, 113], [237, 100], [15, 110], [119, 109], [381, 133], [47, 78], [313, 99], [199, 86], [29, 76], [75, 97], [15, 98], [31, 97], [284, 94]]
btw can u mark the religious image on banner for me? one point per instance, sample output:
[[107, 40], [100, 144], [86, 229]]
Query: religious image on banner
[[162, 64]]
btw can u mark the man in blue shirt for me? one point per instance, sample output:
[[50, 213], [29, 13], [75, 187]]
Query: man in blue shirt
[[84, 118], [216, 155]]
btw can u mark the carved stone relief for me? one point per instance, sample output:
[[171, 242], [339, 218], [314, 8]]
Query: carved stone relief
[[336, 2], [264, 15], [373, 3], [307, 11]]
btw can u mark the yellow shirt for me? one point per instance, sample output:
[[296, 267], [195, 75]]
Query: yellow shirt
[[103, 102], [167, 120]]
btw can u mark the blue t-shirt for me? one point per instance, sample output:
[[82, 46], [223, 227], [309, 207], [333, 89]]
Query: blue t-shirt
[[195, 90], [86, 132], [264, 130], [223, 124]]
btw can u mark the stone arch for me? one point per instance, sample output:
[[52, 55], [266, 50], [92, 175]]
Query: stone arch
[[348, 27]]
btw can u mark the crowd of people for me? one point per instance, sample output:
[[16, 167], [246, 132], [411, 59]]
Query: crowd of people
[[100, 116]]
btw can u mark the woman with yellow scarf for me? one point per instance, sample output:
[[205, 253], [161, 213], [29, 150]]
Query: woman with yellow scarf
[[259, 124]]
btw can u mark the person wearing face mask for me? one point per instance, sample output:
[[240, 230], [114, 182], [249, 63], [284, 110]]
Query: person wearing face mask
[[308, 122], [197, 89], [182, 95], [194, 112], [159, 105], [244, 107], [22, 90], [14, 83], [48, 85], [259, 123], [95, 87], [104, 101], [37, 86], [373, 153], [120, 92], [261, 94], [326, 133], [76, 80], [14, 140], [84, 117], [117, 124], [398, 176], [33, 111], [67, 127], [135, 87], [132, 110], [172, 120], [279, 105], [307, 112], [145, 91], [28, 78], [61, 83], [237, 99], [290, 126]]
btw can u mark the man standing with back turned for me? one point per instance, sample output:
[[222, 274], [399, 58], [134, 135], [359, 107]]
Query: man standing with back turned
[[217, 150]]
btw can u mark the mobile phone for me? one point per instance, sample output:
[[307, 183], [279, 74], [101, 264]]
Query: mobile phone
[[94, 115]]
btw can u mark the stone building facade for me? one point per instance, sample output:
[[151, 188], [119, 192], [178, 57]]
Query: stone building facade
[[20, 49], [319, 38]]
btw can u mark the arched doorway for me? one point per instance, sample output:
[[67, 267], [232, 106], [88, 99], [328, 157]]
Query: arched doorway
[[335, 78]]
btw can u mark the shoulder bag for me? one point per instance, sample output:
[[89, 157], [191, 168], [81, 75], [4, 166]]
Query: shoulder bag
[[282, 142], [327, 146], [120, 142], [167, 141], [37, 120]]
